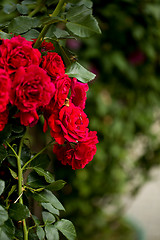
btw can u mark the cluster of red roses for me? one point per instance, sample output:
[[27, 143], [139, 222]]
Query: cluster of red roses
[[35, 82]]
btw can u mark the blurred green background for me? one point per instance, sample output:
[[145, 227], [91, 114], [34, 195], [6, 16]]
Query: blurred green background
[[123, 106]]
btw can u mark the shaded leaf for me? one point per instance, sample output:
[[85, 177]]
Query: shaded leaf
[[5, 133], [47, 175], [67, 228], [3, 153], [9, 8], [4, 35], [41, 161], [36, 220], [51, 232], [35, 181], [18, 211], [3, 215], [2, 186], [50, 208], [48, 218], [57, 185], [78, 71], [47, 196], [40, 233]]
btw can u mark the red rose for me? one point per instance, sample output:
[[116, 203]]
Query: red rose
[[45, 46], [32, 88], [3, 119], [78, 93], [18, 52], [5, 85], [77, 155], [28, 118], [53, 64], [69, 123], [62, 85]]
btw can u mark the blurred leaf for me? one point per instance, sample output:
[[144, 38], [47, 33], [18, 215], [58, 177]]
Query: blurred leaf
[[66, 227], [22, 24], [4, 35], [2, 186], [18, 211], [48, 218], [9, 8], [22, 9], [50, 208], [78, 71], [47, 196], [3, 215], [51, 232], [7, 231], [40, 233], [35, 181], [57, 185]]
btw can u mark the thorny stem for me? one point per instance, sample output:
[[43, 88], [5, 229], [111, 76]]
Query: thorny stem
[[20, 182], [46, 27]]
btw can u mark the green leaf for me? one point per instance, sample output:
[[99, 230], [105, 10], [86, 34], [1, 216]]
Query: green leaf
[[36, 220], [47, 196], [3, 215], [18, 211], [13, 188], [81, 22], [66, 227], [40, 233], [48, 218], [2, 186], [3, 153], [47, 175], [7, 230], [57, 185], [35, 181], [25, 154], [50, 208], [31, 34], [5, 133], [51, 232], [41, 161], [14, 174], [22, 24], [22, 9], [59, 33], [17, 128], [78, 71]]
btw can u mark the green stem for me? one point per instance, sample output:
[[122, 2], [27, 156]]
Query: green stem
[[36, 10], [46, 27], [20, 182], [36, 155], [20, 186]]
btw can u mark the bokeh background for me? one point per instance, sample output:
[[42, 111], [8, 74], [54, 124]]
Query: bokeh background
[[123, 106]]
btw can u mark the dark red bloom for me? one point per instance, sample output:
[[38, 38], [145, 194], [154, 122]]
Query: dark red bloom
[[69, 123], [77, 155], [18, 52], [3, 119], [45, 46], [28, 118], [53, 64], [78, 93], [31, 88], [5, 86]]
